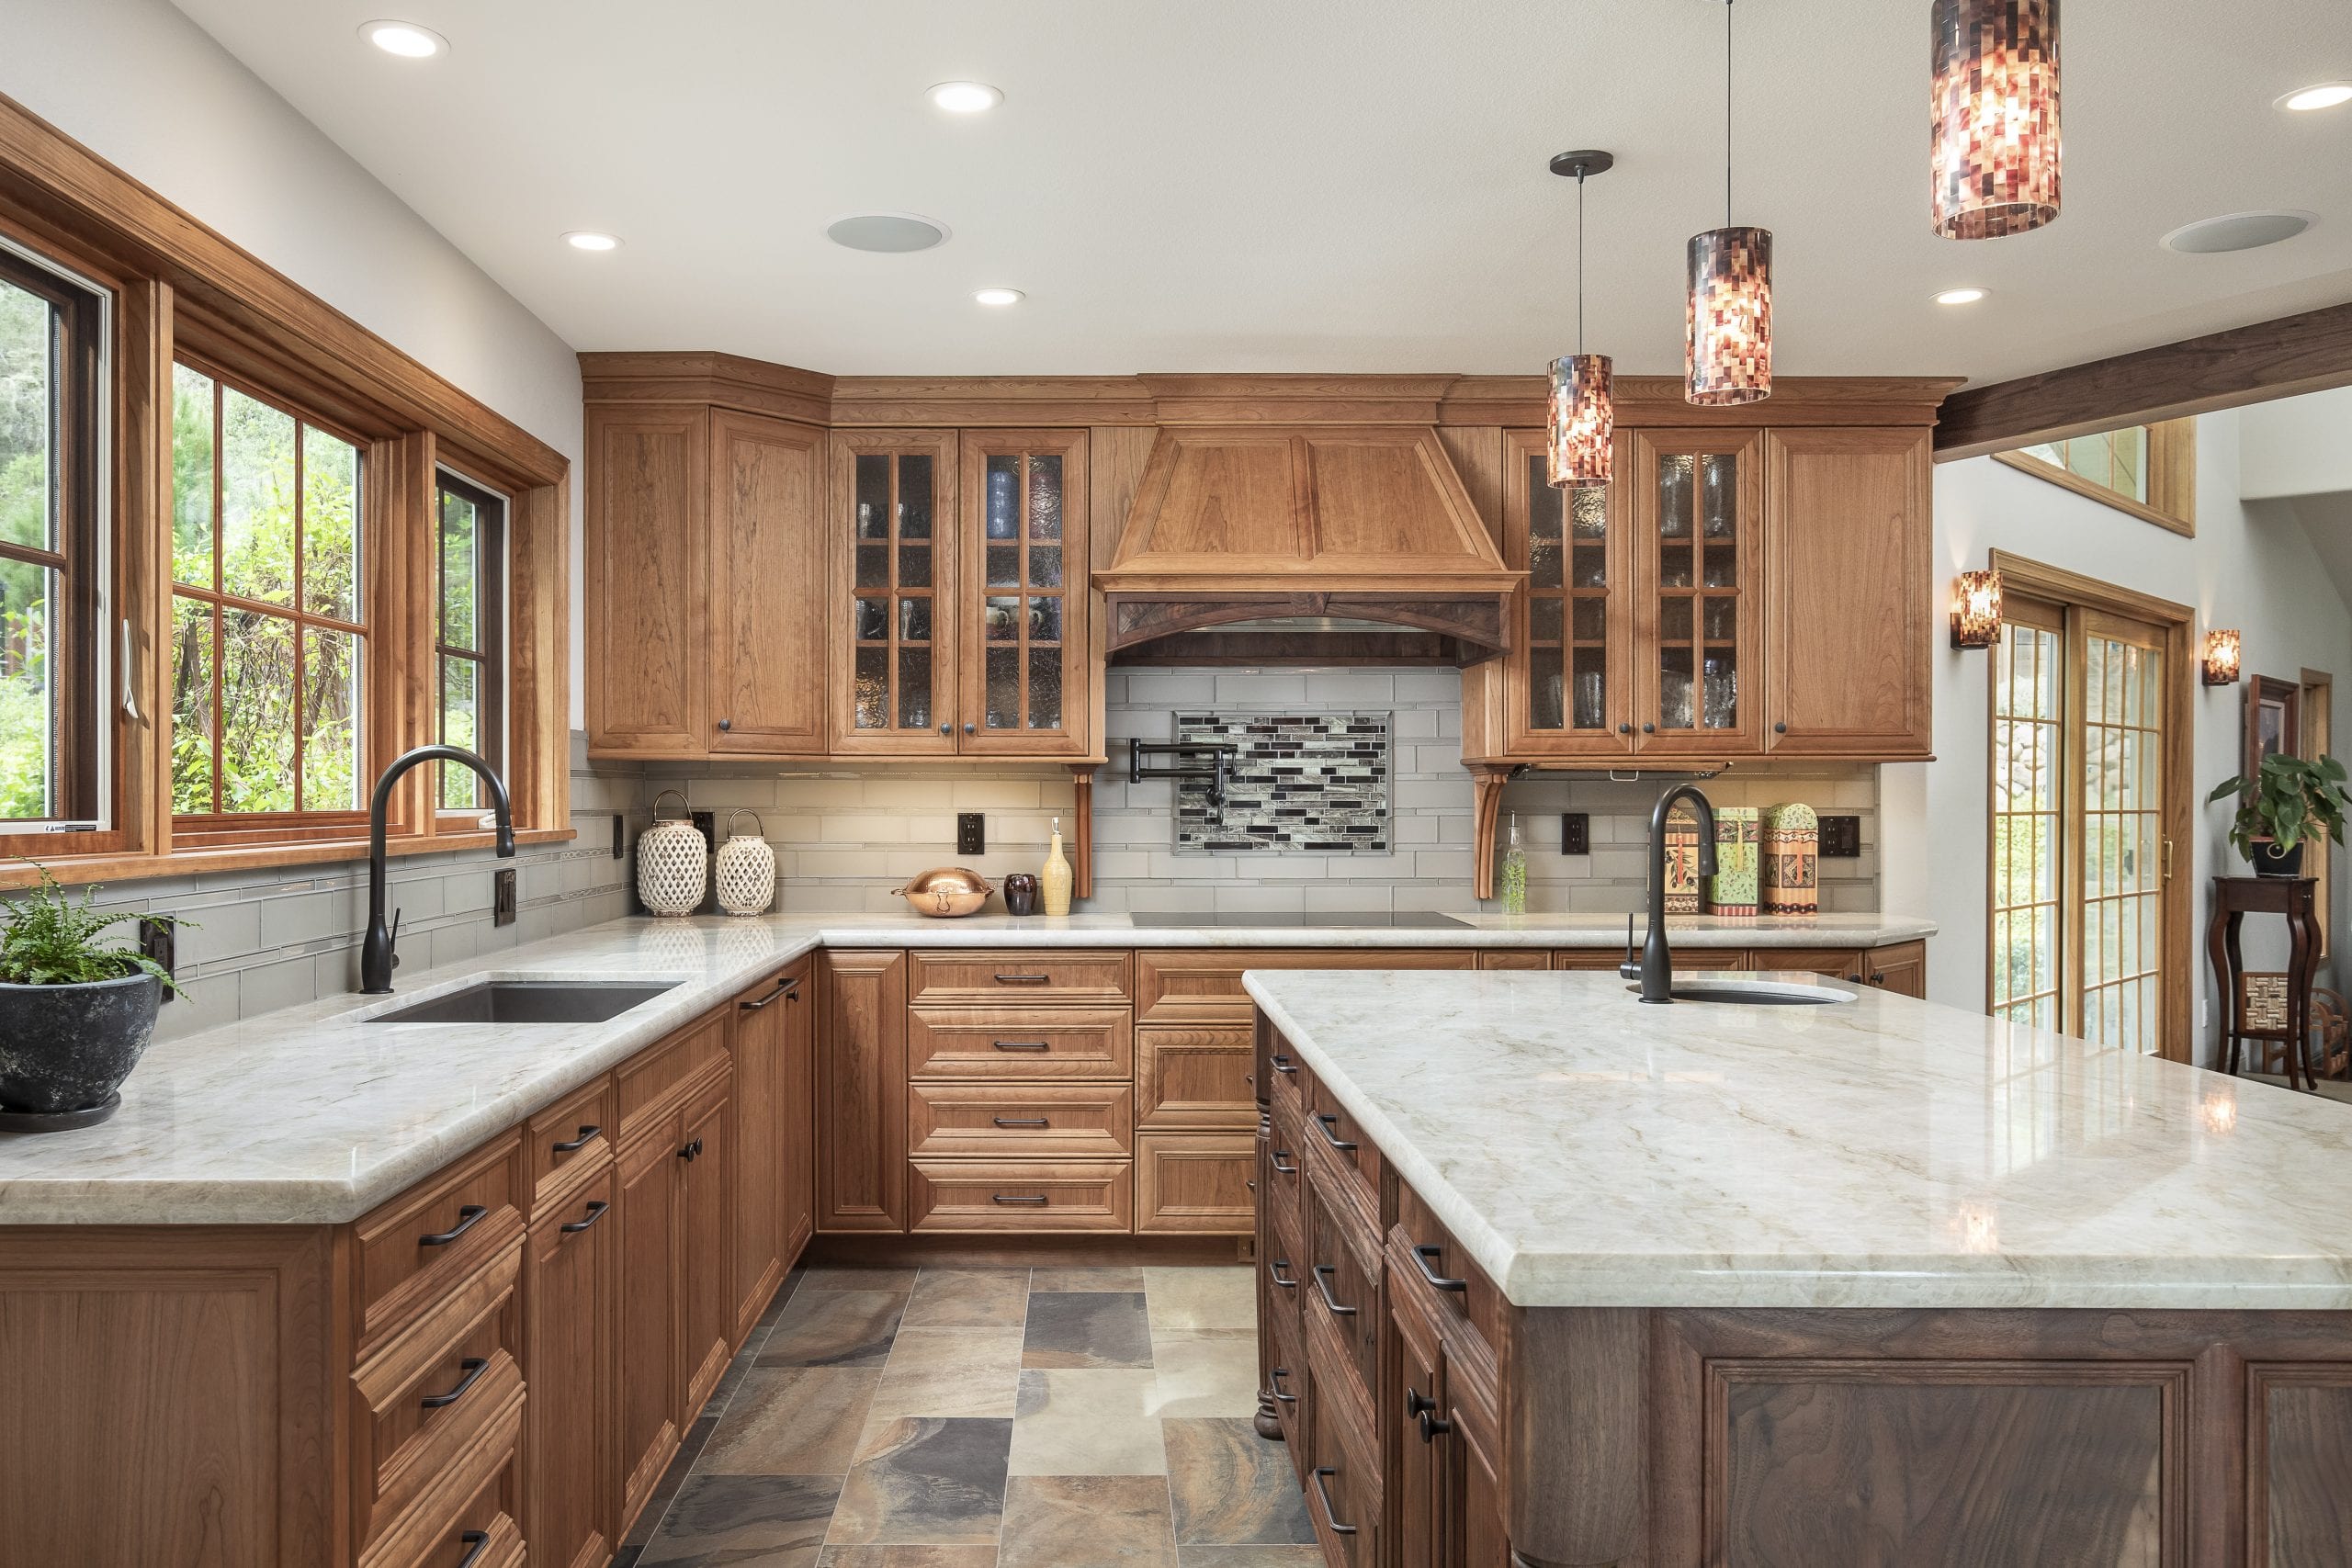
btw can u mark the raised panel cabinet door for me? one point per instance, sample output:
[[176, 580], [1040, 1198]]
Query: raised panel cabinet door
[[1025, 688], [1901, 968], [1570, 669], [762, 1053], [706, 1153], [861, 1093], [1416, 1446], [1849, 594], [650, 1258], [799, 1205], [893, 611], [648, 482], [572, 1314], [768, 639], [1478, 1501], [1697, 509]]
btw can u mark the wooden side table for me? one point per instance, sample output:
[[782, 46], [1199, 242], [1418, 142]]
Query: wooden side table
[[2235, 897]]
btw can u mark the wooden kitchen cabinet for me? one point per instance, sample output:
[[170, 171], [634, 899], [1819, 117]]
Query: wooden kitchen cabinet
[[1697, 505], [650, 1243], [706, 1314], [572, 1314], [1569, 674], [766, 640], [862, 1086], [893, 604], [772, 1130], [1025, 680]]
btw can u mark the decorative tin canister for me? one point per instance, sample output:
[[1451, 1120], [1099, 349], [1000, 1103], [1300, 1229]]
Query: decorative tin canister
[[672, 863], [1681, 861], [1792, 883], [744, 869], [1733, 889]]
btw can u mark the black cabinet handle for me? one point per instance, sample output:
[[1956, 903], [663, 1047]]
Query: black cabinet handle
[[1329, 1127], [595, 1211], [1323, 1288], [1878, 977], [1421, 1256], [1285, 1065], [1024, 979], [468, 1218], [1415, 1403], [478, 1542], [1277, 1375], [588, 1134], [1279, 1169], [1274, 1268], [1433, 1426], [971, 729], [1021, 1122], [692, 1151], [1323, 1494], [784, 989], [473, 1367], [1015, 1198], [1649, 729], [1781, 727], [1023, 1044], [1625, 730], [725, 725]]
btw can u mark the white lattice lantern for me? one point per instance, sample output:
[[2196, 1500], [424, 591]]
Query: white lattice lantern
[[672, 863], [745, 869]]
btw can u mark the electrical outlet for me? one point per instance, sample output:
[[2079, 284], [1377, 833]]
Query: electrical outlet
[[620, 841], [1841, 838], [1575, 833], [159, 941], [501, 896], [971, 833], [706, 824]]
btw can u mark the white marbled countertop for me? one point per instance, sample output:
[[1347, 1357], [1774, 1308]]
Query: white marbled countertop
[[312, 1115], [1590, 1151]]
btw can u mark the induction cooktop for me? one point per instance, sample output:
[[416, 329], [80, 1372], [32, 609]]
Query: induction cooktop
[[1406, 921]]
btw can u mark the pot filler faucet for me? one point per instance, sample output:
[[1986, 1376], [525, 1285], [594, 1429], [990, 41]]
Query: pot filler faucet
[[376, 956], [1656, 970]]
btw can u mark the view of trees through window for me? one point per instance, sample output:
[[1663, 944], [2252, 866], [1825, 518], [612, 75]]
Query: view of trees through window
[[469, 644], [27, 529], [268, 609]]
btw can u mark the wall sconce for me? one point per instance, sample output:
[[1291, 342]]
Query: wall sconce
[[1976, 609], [2221, 656]]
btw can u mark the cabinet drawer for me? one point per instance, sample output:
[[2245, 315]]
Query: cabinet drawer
[[1834, 963], [1283, 1187], [1019, 1042], [1280, 1075], [1197, 1183], [654, 1079], [995, 978], [1194, 1077], [1342, 1473], [416, 1247], [1340, 1285], [1438, 1274], [1023, 1195], [1031, 1120], [427, 1396], [475, 1508], [570, 1138], [1515, 958], [1202, 986], [1331, 1131], [1286, 1379]]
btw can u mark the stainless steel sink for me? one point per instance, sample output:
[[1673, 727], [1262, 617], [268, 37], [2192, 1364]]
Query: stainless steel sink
[[1758, 993], [528, 1001]]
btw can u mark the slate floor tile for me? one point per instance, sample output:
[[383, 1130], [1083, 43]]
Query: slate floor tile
[[1099, 1521], [1205, 1374], [1228, 1486], [792, 1421], [1072, 1422], [745, 1521], [1199, 1300], [907, 1557], [1086, 1279], [968, 1298], [824, 1277], [926, 1483], [951, 1372], [835, 1328], [1069, 1329], [1249, 1557]]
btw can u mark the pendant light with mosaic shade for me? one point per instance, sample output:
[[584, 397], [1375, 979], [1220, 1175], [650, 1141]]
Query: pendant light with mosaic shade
[[1992, 139], [1728, 358], [1581, 426]]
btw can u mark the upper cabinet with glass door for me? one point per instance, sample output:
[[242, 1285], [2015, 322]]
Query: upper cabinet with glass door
[[1571, 686], [1698, 507], [1025, 685], [896, 604]]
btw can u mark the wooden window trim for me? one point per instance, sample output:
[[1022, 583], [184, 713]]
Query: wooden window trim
[[183, 291], [2172, 478], [488, 653]]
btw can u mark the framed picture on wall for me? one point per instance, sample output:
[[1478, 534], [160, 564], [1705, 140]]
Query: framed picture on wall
[[2273, 720]]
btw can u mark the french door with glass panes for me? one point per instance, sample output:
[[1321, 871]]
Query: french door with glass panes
[[2083, 718]]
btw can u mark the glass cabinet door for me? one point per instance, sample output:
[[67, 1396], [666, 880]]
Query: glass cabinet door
[[1025, 681], [1699, 520], [1572, 646], [895, 503]]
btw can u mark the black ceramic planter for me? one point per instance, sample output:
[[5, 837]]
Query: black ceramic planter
[[2269, 860], [65, 1048]]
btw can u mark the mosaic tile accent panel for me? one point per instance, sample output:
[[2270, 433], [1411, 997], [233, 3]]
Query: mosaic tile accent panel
[[1312, 783]]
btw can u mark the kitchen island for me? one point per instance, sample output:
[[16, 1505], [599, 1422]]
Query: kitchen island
[[1549, 1277]]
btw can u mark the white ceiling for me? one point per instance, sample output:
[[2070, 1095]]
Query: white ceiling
[[1310, 184]]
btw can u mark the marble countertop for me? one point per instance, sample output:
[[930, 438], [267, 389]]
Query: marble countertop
[[1590, 1151], [312, 1115]]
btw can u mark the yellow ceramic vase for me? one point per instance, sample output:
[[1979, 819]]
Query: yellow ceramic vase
[[1055, 879]]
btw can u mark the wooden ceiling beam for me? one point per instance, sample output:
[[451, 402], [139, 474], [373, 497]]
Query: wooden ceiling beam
[[2281, 358]]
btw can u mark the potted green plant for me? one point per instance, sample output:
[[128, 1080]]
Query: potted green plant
[[2289, 799], [76, 1013]]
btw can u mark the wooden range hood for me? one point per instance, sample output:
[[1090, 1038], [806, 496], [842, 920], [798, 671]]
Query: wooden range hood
[[1341, 543]]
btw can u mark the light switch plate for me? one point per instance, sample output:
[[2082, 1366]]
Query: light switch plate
[[501, 896], [1841, 838]]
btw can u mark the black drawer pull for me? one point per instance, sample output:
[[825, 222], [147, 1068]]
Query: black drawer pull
[[784, 988], [1274, 1272], [478, 1542], [1323, 1494], [1421, 1256], [1415, 1403], [1011, 1197], [1329, 1127], [1021, 1122], [692, 1151], [1023, 1044], [473, 1367], [1279, 1169], [1283, 1066], [1433, 1426], [595, 1211], [467, 1217], [1277, 1375], [1323, 1287], [1024, 979], [588, 1134]]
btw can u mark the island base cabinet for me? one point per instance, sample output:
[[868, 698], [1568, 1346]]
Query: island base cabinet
[[708, 1313], [570, 1312]]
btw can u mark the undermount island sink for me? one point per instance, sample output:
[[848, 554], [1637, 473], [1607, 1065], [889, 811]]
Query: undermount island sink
[[1758, 993], [528, 1001]]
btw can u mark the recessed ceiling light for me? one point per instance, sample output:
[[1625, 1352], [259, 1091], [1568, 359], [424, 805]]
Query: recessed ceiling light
[[2237, 232], [405, 39], [2319, 96], [589, 240], [887, 232], [1961, 296], [966, 98], [998, 296]]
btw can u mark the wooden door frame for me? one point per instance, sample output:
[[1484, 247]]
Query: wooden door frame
[[2317, 733], [2176, 947]]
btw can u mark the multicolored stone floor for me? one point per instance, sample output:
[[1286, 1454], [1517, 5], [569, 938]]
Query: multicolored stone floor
[[986, 1418]]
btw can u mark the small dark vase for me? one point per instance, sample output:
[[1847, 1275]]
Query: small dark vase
[[2269, 860], [1020, 894], [68, 1048]]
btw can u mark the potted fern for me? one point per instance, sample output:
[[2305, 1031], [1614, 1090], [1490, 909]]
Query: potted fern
[[76, 1013], [2288, 800]]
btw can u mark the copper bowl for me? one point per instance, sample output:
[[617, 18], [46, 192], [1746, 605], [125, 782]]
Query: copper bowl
[[947, 892]]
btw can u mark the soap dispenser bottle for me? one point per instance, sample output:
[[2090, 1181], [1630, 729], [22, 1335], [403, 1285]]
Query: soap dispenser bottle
[[1513, 880], [1056, 876]]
